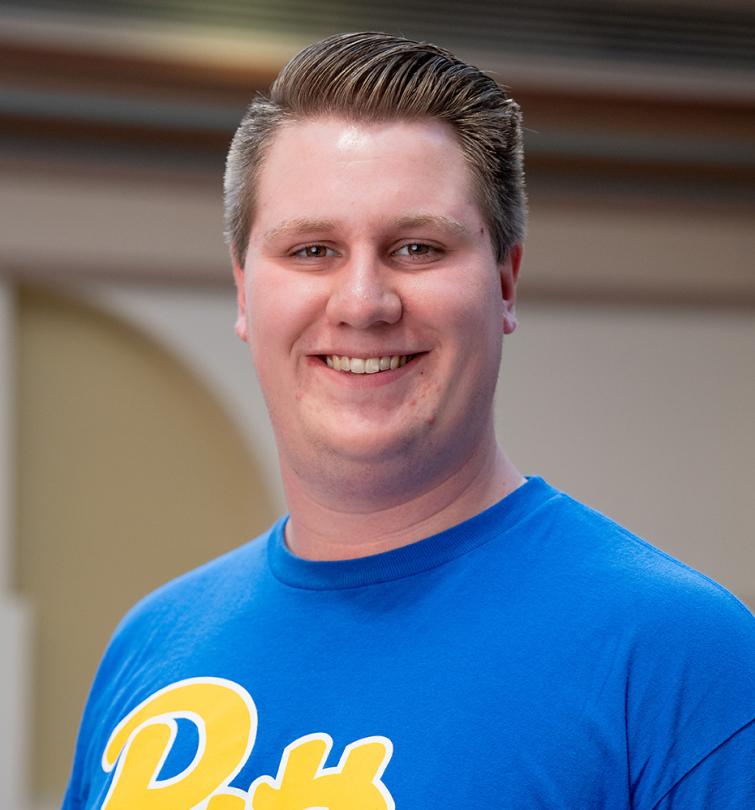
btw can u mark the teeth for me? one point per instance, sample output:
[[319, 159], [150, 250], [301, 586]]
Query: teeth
[[366, 365]]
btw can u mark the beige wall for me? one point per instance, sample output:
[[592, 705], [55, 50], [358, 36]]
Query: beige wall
[[129, 474]]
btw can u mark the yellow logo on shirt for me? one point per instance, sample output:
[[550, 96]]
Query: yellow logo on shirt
[[303, 782], [226, 721]]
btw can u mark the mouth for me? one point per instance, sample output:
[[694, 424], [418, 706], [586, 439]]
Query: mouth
[[367, 365]]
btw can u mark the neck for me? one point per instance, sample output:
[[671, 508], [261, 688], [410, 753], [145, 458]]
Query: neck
[[323, 526]]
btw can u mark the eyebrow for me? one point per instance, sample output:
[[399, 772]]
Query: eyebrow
[[305, 224], [298, 224], [433, 220]]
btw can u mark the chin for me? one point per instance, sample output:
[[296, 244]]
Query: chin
[[373, 445]]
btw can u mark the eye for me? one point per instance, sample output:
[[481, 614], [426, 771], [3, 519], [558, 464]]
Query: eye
[[314, 252], [417, 251]]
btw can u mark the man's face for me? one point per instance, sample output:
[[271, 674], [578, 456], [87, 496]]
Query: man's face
[[368, 244]]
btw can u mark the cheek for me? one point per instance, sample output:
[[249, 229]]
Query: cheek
[[280, 307], [469, 312]]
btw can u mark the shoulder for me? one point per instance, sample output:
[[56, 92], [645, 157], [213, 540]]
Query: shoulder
[[142, 651], [208, 589], [683, 645], [183, 605], [630, 573], [672, 618], [603, 581]]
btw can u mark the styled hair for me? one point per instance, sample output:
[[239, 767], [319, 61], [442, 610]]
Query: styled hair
[[379, 77]]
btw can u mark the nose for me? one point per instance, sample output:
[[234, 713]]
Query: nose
[[364, 294]]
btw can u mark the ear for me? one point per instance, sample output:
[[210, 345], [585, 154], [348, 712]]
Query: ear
[[509, 272], [239, 277]]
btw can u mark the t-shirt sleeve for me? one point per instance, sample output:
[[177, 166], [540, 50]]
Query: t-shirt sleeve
[[130, 638], [691, 697], [724, 780], [69, 802]]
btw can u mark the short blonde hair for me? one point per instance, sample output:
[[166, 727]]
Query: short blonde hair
[[379, 77]]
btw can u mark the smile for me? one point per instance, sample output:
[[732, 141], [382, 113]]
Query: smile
[[367, 365]]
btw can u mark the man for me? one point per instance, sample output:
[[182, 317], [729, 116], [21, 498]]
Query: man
[[427, 629]]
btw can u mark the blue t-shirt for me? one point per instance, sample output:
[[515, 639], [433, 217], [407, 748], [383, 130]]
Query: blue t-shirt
[[537, 655]]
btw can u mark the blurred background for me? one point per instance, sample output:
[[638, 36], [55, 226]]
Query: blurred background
[[133, 439]]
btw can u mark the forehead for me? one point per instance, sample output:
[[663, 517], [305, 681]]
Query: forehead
[[336, 169]]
